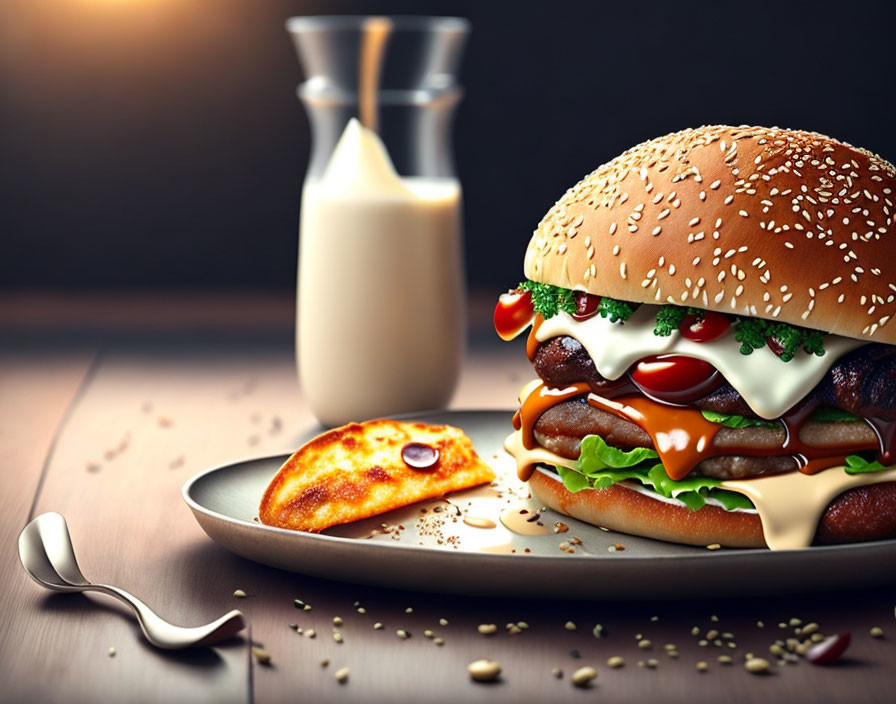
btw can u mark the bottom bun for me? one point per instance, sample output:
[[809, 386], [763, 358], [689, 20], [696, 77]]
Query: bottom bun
[[863, 513]]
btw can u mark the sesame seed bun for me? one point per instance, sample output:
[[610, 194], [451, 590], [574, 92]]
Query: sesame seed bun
[[863, 513], [765, 222]]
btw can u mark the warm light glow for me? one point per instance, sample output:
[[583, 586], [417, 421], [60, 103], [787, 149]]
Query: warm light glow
[[138, 5]]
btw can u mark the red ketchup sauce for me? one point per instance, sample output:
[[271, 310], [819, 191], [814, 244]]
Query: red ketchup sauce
[[674, 378], [709, 326], [513, 314], [586, 306]]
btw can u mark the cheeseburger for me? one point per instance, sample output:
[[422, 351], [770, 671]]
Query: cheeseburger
[[712, 329]]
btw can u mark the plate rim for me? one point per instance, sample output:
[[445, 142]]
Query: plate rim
[[334, 540]]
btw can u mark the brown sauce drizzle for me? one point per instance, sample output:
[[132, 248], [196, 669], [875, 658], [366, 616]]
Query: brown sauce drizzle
[[532, 342], [681, 436], [886, 434]]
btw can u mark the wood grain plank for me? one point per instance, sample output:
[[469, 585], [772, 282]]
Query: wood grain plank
[[147, 422], [384, 667], [36, 388], [164, 413]]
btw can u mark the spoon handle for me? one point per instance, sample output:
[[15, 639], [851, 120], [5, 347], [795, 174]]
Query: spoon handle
[[157, 630]]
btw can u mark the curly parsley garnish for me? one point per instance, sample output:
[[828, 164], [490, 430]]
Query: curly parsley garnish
[[616, 311], [669, 317], [548, 300], [751, 333]]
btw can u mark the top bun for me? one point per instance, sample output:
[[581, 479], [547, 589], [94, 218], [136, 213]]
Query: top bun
[[765, 222]]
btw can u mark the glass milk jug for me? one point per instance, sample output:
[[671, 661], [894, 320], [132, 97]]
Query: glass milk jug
[[380, 318]]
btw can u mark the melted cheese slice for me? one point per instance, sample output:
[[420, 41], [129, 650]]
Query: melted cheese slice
[[769, 386], [789, 505]]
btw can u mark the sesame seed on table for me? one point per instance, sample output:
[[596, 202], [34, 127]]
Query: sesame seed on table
[[110, 404]]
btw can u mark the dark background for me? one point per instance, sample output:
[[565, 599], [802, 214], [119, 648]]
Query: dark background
[[159, 143]]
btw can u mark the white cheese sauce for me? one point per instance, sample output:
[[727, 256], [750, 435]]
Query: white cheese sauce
[[770, 386]]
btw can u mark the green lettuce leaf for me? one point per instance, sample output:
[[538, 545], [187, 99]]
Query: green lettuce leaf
[[732, 421], [859, 465], [825, 414], [731, 499], [600, 466], [829, 414], [574, 481], [597, 455]]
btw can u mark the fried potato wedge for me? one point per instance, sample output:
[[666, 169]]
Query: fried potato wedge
[[357, 471]]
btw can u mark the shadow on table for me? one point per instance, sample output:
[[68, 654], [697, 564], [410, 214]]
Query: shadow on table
[[78, 606]]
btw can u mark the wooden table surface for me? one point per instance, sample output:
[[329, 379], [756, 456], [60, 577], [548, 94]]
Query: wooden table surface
[[109, 403]]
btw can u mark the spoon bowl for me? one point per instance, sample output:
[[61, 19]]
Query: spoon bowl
[[47, 554]]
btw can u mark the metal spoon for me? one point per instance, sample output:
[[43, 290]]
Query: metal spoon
[[46, 552]]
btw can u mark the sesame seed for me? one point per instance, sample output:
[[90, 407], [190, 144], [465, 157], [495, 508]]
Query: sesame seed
[[757, 666], [583, 676], [262, 656], [484, 670]]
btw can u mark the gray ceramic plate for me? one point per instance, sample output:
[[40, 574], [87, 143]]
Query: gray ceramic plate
[[431, 546]]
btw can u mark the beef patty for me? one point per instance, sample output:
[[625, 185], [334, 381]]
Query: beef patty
[[561, 428], [862, 382]]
